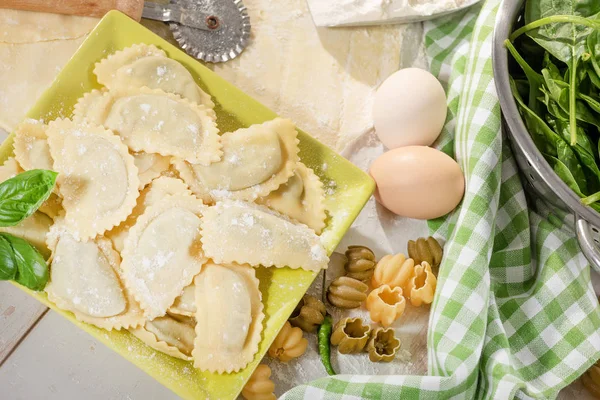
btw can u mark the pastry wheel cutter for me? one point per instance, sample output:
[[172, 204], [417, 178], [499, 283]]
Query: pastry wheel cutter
[[210, 30]]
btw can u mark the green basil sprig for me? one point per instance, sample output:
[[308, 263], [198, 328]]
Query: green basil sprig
[[20, 197], [23, 194], [22, 263]]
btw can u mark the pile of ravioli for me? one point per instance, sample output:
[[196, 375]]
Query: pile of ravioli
[[159, 219]]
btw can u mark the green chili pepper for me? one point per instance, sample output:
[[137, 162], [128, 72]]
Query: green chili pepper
[[324, 346]]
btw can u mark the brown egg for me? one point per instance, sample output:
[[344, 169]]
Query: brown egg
[[418, 182]]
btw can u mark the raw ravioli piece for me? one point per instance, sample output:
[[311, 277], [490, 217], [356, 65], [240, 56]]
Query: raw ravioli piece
[[154, 121], [106, 69], [236, 231], [185, 304], [128, 68], [300, 198], [163, 252], [172, 335], [92, 107], [256, 161], [158, 190], [33, 152], [97, 177], [229, 317], [34, 230], [145, 65], [9, 169], [150, 166], [85, 278], [31, 146], [53, 206]]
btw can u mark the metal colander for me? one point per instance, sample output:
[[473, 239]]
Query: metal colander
[[540, 179]]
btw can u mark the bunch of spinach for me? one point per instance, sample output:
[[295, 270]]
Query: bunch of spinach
[[20, 197], [555, 80]]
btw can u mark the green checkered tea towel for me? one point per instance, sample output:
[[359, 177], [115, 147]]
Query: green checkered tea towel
[[515, 315]]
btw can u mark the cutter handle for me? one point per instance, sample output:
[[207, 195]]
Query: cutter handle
[[89, 8]]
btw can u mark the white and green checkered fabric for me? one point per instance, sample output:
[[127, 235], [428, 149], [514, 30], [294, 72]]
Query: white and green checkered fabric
[[515, 315]]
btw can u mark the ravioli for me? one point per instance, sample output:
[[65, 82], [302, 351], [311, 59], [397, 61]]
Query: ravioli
[[172, 335], [97, 177], [154, 121], [150, 166], [236, 231], [185, 304], [85, 278], [9, 169], [229, 317], [31, 146], [33, 229], [159, 189], [256, 161], [144, 65], [93, 107], [162, 252], [300, 198]]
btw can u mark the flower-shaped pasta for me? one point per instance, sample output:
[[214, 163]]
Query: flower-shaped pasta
[[259, 386], [350, 335], [288, 344], [347, 292], [421, 287], [394, 271], [309, 314], [386, 305], [360, 263], [383, 345], [425, 250]]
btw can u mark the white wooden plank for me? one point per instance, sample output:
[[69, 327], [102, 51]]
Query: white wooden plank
[[18, 313], [57, 361]]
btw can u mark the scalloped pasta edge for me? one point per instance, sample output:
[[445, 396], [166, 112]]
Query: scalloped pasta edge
[[255, 330], [27, 129], [123, 57], [132, 240], [220, 260], [313, 213], [131, 318], [151, 340], [212, 147], [132, 54], [85, 108], [80, 230], [288, 136]]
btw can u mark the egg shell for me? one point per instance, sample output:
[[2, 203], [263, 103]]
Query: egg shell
[[418, 182], [409, 109]]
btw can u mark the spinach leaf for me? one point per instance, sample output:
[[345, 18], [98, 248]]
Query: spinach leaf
[[535, 80], [593, 102], [565, 174], [545, 139], [593, 48], [22, 262], [22, 195], [565, 41]]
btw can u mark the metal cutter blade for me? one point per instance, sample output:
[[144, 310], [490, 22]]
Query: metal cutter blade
[[210, 30]]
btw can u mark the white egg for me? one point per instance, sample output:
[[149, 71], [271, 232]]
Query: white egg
[[410, 109]]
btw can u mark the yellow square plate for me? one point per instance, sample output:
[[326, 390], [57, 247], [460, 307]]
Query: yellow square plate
[[347, 187]]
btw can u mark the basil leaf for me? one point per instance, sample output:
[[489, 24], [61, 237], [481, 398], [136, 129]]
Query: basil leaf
[[32, 270], [8, 264], [22, 195]]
